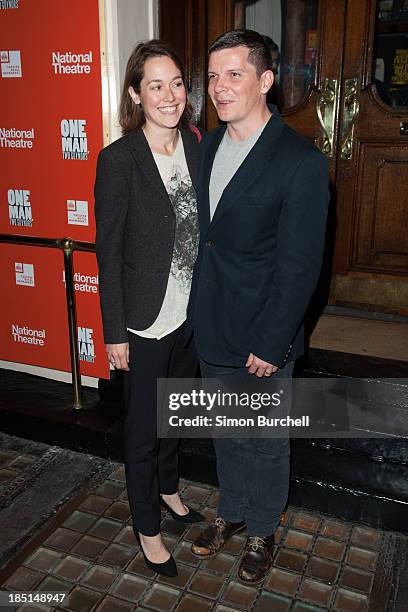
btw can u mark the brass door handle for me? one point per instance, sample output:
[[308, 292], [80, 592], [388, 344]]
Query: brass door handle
[[350, 111], [326, 112]]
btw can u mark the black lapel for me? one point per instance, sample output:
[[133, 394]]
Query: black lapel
[[206, 163], [145, 160], [252, 166]]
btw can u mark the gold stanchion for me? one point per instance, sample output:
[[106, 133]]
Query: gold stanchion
[[66, 245]]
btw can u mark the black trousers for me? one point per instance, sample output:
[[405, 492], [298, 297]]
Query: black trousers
[[151, 464]]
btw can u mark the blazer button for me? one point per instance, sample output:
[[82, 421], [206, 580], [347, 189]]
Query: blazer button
[[210, 243]]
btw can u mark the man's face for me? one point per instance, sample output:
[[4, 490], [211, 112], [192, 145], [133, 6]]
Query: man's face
[[234, 87]]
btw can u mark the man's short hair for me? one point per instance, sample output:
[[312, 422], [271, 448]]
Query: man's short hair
[[259, 54]]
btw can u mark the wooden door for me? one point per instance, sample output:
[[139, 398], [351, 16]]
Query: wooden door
[[371, 245]]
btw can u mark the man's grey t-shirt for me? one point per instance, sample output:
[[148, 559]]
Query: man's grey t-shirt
[[229, 157]]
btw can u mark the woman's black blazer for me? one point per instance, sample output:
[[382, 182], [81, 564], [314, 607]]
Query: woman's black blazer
[[135, 229]]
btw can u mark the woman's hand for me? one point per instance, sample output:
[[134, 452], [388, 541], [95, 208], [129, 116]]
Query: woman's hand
[[118, 355]]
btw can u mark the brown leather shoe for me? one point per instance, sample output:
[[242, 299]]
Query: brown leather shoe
[[213, 538], [257, 559]]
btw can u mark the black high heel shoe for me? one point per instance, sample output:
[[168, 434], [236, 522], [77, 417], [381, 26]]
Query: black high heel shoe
[[192, 516], [168, 568]]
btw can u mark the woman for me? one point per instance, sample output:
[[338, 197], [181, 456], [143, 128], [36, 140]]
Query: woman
[[146, 242]]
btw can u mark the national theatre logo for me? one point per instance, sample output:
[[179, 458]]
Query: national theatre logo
[[26, 335], [24, 274], [10, 64], [77, 212], [19, 206], [8, 4], [11, 138], [73, 139], [84, 283], [86, 344], [71, 63]]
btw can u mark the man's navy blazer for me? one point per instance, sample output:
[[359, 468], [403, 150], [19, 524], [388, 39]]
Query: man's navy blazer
[[259, 258]]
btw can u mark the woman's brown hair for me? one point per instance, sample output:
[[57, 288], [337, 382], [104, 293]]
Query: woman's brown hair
[[131, 115]]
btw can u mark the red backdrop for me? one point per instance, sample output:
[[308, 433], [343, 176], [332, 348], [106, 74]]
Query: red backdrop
[[50, 136]]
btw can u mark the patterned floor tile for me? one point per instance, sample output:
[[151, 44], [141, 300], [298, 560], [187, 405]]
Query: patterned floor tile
[[320, 563]]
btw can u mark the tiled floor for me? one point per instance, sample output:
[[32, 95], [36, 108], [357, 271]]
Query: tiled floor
[[89, 551], [35, 480]]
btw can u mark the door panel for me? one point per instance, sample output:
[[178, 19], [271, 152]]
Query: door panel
[[383, 170]]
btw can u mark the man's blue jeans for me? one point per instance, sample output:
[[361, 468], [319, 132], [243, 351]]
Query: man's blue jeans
[[253, 473]]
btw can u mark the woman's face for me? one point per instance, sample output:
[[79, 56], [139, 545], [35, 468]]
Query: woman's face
[[162, 93]]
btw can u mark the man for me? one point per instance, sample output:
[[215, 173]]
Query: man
[[263, 197]]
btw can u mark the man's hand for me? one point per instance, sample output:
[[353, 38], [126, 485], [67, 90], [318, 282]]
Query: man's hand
[[118, 355], [259, 367]]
